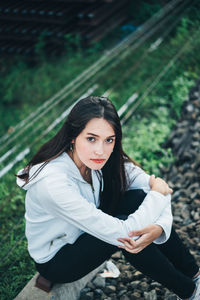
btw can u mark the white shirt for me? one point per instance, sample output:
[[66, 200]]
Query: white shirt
[[61, 205]]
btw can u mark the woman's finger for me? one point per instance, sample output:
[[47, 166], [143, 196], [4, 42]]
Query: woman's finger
[[139, 232], [136, 232], [128, 246], [151, 180], [143, 242], [134, 251], [129, 240], [126, 243], [137, 250]]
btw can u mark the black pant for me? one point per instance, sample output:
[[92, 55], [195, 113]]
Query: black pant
[[170, 263]]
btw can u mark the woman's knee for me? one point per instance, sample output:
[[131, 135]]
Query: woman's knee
[[132, 199], [137, 194]]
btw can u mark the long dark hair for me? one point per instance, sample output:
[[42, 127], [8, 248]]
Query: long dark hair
[[114, 177]]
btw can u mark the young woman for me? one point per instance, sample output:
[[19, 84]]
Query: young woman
[[86, 199]]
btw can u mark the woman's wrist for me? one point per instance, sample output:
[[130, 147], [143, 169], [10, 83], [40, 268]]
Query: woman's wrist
[[159, 229]]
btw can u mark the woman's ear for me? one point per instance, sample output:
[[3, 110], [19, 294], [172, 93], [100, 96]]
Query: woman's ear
[[73, 141]]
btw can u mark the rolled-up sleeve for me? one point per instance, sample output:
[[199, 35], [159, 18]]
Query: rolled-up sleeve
[[138, 179], [165, 221]]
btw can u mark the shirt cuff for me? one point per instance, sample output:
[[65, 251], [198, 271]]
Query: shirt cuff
[[164, 236]]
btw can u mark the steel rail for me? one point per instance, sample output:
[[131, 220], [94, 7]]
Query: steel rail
[[151, 48], [157, 79], [27, 150], [39, 127]]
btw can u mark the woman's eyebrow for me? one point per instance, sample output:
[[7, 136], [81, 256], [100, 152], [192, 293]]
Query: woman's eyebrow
[[89, 133]]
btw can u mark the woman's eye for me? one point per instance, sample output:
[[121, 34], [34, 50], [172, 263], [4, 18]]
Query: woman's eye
[[109, 141], [91, 139]]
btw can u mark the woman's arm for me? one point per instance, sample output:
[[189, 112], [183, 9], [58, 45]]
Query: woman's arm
[[62, 198], [140, 180], [165, 222], [158, 233], [160, 230]]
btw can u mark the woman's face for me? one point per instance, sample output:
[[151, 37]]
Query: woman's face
[[94, 145]]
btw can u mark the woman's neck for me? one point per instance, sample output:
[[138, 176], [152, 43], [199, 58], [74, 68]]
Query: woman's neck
[[87, 175], [83, 169]]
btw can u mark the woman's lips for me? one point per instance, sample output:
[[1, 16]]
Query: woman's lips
[[98, 161]]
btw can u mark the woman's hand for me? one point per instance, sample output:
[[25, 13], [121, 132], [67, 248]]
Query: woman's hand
[[147, 235], [159, 185]]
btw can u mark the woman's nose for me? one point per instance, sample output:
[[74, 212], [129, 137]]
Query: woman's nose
[[99, 149]]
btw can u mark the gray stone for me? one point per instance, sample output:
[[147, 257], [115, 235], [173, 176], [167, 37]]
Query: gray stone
[[169, 296], [124, 268], [98, 291], [99, 282], [178, 219], [117, 255], [144, 286], [150, 295], [155, 284], [91, 285], [122, 292], [120, 286], [85, 290], [132, 285], [110, 289], [185, 212], [190, 108], [196, 216], [124, 297], [88, 296], [135, 295]]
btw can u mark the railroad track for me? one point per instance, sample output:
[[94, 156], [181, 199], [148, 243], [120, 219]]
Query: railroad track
[[111, 59], [22, 23], [101, 63]]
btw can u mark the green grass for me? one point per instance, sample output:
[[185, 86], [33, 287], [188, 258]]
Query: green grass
[[25, 88], [150, 126]]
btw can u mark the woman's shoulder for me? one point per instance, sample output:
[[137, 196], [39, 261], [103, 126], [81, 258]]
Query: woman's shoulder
[[132, 171], [131, 167], [60, 162], [136, 177], [57, 169], [58, 165]]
